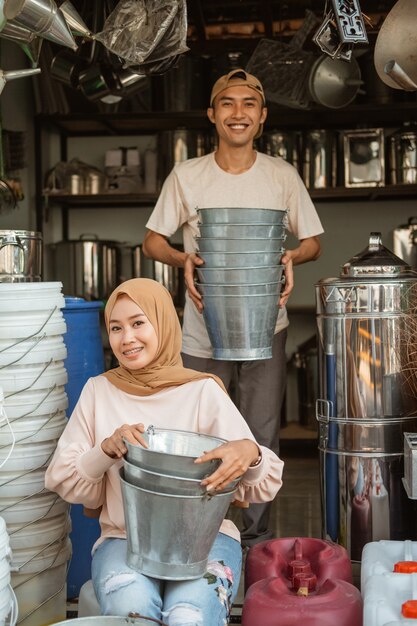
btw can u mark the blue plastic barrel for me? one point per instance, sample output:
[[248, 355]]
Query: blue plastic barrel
[[85, 359]]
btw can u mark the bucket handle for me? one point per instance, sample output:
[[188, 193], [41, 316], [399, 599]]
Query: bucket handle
[[11, 240], [148, 619], [14, 610]]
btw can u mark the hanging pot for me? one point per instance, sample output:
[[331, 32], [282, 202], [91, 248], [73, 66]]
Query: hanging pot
[[396, 47], [334, 83]]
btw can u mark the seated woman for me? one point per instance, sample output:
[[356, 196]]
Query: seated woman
[[151, 386]]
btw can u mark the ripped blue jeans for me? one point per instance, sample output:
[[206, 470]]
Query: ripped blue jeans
[[206, 601]]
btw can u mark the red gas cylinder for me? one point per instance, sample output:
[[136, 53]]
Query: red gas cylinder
[[285, 557], [270, 601]]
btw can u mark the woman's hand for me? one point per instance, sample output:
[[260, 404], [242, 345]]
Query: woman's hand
[[236, 457], [115, 447]]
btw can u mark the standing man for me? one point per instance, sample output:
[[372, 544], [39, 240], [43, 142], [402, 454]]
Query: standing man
[[236, 176]]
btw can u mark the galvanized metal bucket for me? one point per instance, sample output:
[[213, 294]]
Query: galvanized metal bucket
[[210, 289], [169, 536], [241, 328], [233, 231], [240, 275], [173, 452], [102, 620], [213, 244], [164, 483], [242, 259], [241, 216]]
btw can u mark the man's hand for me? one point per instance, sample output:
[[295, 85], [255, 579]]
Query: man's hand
[[189, 268], [289, 278]]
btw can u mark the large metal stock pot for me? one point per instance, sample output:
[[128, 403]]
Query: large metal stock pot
[[365, 402], [88, 267], [20, 256]]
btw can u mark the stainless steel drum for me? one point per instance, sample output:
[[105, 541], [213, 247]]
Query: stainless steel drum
[[403, 157], [171, 277], [366, 403], [88, 267], [20, 256]]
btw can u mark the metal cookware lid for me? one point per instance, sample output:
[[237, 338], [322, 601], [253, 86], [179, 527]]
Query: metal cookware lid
[[375, 260]]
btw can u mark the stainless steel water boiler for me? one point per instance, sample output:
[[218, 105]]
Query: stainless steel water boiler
[[365, 402]]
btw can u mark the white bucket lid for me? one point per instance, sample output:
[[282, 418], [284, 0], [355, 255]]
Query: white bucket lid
[[6, 602], [4, 574], [28, 456], [18, 483], [16, 378], [4, 540], [33, 429], [33, 350], [43, 505], [28, 323], [36, 402]]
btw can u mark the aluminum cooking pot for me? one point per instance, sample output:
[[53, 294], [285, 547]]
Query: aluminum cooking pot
[[171, 277], [20, 256], [88, 267]]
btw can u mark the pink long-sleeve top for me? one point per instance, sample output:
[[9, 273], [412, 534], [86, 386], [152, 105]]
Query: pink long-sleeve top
[[80, 472]]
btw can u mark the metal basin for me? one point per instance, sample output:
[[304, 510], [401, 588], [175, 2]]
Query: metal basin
[[240, 275], [169, 536], [237, 231], [163, 483], [239, 290], [173, 452], [241, 327], [241, 259], [242, 216], [211, 244], [107, 620]]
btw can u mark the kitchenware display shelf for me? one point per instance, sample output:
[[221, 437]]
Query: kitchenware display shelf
[[134, 124]]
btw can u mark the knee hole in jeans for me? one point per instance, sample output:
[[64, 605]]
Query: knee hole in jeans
[[184, 615], [114, 582]]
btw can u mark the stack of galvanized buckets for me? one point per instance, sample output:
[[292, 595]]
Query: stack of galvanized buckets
[[162, 493], [241, 279]]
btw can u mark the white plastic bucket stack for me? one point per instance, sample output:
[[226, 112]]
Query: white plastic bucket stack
[[8, 604], [32, 377], [389, 583]]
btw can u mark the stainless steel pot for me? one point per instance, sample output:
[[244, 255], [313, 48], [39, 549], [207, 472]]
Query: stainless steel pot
[[88, 267], [402, 150], [319, 159], [171, 277], [365, 403], [20, 256], [334, 83], [405, 241]]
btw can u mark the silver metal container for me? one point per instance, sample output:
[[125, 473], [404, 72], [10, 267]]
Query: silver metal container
[[241, 328], [207, 244], [405, 241], [217, 289], [173, 452], [365, 403], [88, 267], [169, 537], [171, 277], [163, 483], [241, 259], [238, 231], [227, 215], [402, 150], [20, 256], [240, 275], [319, 159], [107, 620]]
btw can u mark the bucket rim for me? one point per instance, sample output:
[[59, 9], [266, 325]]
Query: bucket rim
[[208, 494]]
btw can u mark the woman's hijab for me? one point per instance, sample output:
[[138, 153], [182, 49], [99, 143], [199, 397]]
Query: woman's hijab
[[166, 370]]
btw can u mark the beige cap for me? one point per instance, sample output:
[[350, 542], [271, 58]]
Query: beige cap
[[239, 78]]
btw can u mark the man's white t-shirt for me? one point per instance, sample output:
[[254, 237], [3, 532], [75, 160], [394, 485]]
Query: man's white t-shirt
[[271, 183]]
